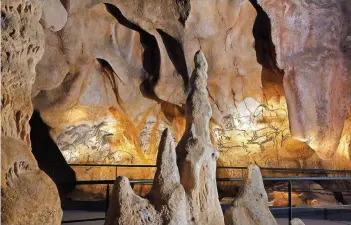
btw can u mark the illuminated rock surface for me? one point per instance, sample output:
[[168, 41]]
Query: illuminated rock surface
[[28, 195], [184, 189], [115, 74], [120, 74], [318, 196], [311, 57]]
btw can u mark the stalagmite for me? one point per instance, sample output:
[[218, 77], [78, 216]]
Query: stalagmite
[[196, 155], [251, 205], [166, 204], [184, 189], [186, 197], [297, 221]]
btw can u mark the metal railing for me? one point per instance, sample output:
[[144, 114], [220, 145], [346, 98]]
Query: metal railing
[[286, 179]]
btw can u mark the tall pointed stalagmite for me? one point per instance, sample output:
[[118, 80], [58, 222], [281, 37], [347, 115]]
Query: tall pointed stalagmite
[[196, 156], [185, 196]]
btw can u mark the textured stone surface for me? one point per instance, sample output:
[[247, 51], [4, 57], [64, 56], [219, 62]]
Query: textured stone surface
[[308, 50], [185, 193], [28, 195], [111, 93], [250, 207], [167, 202], [196, 155], [138, 68], [296, 221], [22, 47]]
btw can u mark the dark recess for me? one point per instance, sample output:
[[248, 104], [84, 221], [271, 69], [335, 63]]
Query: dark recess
[[184, 8], [265, 53], [151, 54], [176, 54], [265, 49], [49, 156]]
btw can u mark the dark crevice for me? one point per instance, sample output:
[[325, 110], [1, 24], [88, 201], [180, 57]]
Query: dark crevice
[[152, 61], [176, 55], [265, 50], [49, 156], [151, 54], [111, 76], [184, 8]]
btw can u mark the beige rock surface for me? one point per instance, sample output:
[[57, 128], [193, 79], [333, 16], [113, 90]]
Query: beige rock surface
[[108, 95], [167, 202], [296, 221], [185, 193], [196, 155], [311, 57], [250, 207], [28, 195]]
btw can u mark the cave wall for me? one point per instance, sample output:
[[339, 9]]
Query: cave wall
[[317, 81], [28, 195], [119, 75]]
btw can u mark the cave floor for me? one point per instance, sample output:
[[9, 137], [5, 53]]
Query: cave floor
[[80, 214]]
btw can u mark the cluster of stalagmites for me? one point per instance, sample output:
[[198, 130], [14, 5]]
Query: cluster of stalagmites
[[184, 189]]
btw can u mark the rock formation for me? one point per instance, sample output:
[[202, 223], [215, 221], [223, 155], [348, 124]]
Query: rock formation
[[133, 69], [111, 93], [196, 156], [185, 193], [296, 221], [317, 81], [29, 196], [184, 189], [167, 201], [251, 205]]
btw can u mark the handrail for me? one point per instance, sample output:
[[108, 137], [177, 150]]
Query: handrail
[[218, 167], [150, 181]]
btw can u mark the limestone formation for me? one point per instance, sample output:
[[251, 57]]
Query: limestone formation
[[184, 189], [185, 193], [137, 68], [167, 202], [251, 205], [28, 195], [308, 48], [296, 221], [196, 155], [128, 80]]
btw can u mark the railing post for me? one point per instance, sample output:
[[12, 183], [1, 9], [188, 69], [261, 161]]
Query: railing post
[[107, 199], [290, 201]]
